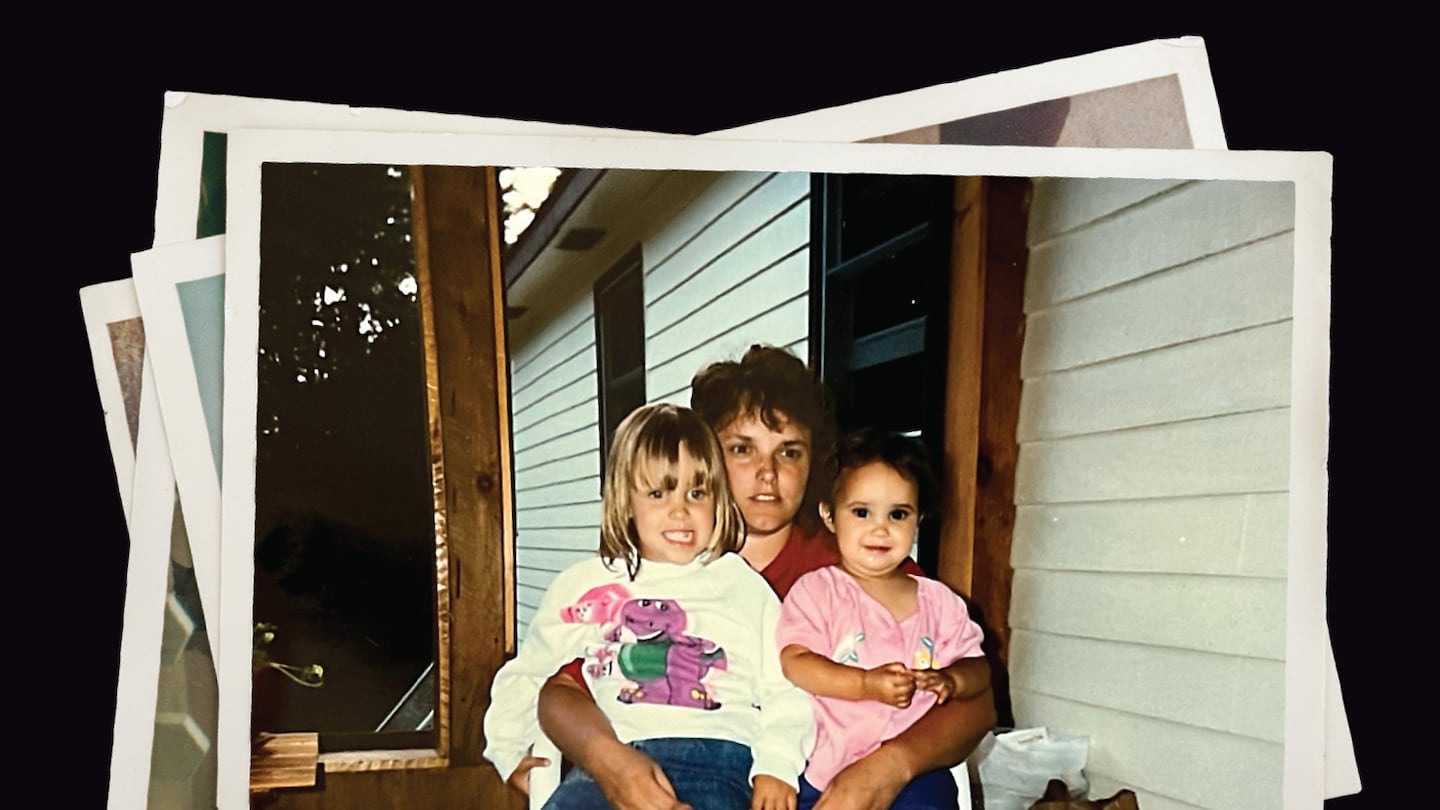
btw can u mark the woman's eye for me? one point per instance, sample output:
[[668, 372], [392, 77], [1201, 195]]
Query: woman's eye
[[739, 449]]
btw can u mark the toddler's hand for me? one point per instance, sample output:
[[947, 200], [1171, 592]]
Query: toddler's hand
[[893, 683], [771, 794], [938, 681]]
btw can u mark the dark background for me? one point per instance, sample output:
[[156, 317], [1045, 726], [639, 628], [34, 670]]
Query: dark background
[[88, 115]]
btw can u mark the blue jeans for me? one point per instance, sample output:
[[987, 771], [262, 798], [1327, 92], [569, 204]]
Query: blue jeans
[[706, 774], [934, 790]]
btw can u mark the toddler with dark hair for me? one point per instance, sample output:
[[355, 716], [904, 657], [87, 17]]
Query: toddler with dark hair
[[875, 646]]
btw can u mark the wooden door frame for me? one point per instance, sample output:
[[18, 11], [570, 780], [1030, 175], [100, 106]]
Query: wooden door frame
[[456, 228], [982, 398]]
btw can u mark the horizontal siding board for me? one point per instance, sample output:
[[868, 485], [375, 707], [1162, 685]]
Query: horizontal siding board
[[1221, 692], [585, 489], [559, 516], [561, 338], [585, 539], [559, 406], [1198, 220], [539, 450], [725, 191], [780, 326], [1227, 615], [1102, 786], [564, 469], [551, 559], [781, 240], [1221, 455], [1241, 371], [784, 281], [1236, 535], [1245, 287], [1203, 768], [1266, 541], [1061, 204], [565, 372], [563, 414], [764, 226]]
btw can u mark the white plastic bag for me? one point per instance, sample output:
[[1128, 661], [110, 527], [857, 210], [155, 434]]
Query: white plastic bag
[[1015, 766]]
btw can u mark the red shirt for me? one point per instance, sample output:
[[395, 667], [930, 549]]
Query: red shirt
[[801, 554]]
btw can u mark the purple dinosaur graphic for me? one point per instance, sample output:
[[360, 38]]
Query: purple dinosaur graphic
[[667, 665]]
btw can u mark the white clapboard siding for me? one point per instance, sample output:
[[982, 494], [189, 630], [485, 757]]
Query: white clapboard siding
[[1060, 204], [1232, 615], [1246, 370], [782, 325], [1103, 787], [1246, 452], [568, 410], [1195, 220], [695, 275], [555, 417], [678, 231], [1149, 549], [1200, 767], [561, 374], [786, 280], [560, 446], [569, 468], [1218, 692], [570, 334], [1223, 535], [1245, 287]]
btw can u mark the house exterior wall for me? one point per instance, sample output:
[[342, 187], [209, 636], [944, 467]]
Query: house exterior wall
[[726, 265], [1148, 604]]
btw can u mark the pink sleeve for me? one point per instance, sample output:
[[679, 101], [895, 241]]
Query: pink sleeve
[[960, 636], [803, 616]]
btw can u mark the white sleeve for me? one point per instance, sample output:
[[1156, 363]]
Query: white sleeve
[[511, 724], [786, 731]]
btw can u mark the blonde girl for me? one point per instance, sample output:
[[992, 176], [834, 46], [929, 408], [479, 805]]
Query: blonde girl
[[677, 635]]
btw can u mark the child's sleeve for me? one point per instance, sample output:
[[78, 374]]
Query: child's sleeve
[[803, 617], [787, 720], [511, 724], [963, 636]]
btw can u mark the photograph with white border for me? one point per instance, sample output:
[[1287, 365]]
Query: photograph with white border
[[1098, 181]]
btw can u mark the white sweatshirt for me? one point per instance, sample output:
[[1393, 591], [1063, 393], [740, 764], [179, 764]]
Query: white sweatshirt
[[683, 651]]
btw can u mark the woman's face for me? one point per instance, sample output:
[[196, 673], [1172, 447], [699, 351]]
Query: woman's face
[[768, 470]]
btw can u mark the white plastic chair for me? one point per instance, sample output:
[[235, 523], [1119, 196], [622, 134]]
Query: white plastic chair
[[543, 781]]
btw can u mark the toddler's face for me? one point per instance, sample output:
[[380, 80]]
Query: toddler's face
[[874, 519], [674, 516]]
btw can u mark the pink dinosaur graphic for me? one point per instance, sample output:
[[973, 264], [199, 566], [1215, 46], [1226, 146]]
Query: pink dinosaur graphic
[[599, 605], [667, 665]]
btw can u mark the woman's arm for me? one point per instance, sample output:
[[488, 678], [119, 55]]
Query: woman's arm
[[891, 683], [629, 779]]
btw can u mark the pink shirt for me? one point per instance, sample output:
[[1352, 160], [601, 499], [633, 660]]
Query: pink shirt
[[828, 613]]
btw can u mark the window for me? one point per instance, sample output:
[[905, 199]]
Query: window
[[619, 344], [880, 277]]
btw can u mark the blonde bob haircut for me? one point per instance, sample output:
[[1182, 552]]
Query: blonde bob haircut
[[648, 443]]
